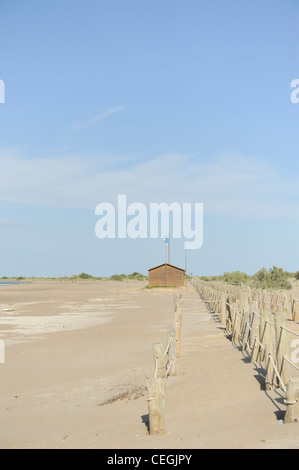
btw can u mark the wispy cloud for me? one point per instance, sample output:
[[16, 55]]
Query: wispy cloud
[[94, 120], [9, 229], [229, 184], [8, 222]]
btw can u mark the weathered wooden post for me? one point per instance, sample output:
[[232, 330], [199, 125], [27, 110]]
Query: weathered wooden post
[[256, 347], [282, 345], [254, 321], [156, 406], [160, 370], [246, 328], [277, 322], [242, 301], [285, 305], [213, 302], [260, 298], [292, 306], [295, 314], [261, 335], [223, 309], [268, 349], [177, 298], [172, 352], [236, 323], [178, 330], [292, 402], [278, 302], [179, 305], [250, 295]]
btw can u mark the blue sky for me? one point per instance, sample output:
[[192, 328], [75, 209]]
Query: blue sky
[[163, 101]]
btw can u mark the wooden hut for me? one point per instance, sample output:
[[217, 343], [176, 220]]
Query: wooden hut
[[166, 275]]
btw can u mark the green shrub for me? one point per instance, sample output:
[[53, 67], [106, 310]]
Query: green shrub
[[137, 276], [236, 278], [205, 278], [118, 277], [85, 276], [274, 278]]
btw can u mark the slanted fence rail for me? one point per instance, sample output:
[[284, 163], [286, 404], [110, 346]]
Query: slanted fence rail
[[264, 325]]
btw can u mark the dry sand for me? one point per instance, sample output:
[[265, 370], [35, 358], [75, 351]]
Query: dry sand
[[76, 361]]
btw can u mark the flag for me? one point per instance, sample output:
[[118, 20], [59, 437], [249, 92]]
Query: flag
[[165, 239]]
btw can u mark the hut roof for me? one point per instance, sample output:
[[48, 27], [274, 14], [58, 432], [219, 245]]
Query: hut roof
[[166, 264]]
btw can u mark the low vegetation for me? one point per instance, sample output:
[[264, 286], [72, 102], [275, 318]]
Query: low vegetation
[[136, 276], [273, 278]]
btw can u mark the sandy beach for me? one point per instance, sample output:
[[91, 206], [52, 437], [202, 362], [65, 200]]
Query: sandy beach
[[76, 360]]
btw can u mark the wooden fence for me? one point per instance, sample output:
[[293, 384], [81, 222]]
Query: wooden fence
[[262, 324], [165, 361]]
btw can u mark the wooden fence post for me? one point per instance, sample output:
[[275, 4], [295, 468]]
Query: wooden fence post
[[256, 346], [282, 345], [261, 335], [285, 305], [160, 371], [172, 352], [295, 314], [156, 406], [260, 299], [229, 315], [223, 309], [278, 321], [254, 321], [235, 328], [246, 328], [268, 350], [292, 402], [242, 301], [178, 329], [177, 300]]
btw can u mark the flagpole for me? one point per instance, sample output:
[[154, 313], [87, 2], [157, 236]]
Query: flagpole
[[169, 248]]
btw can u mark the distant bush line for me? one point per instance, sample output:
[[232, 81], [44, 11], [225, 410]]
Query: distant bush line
[[84, 276], [273, 278], [134, 276], [115, 277]]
